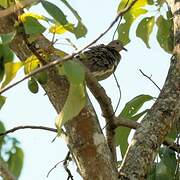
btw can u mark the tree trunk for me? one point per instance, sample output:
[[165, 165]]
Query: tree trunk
[[162, 116]]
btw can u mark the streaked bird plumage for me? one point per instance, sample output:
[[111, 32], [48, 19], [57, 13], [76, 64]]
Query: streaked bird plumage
[[102, 60]]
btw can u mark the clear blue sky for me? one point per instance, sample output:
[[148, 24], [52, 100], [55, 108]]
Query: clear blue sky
[[24, 108]]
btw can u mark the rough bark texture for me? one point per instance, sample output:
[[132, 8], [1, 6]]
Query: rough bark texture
[[85, 138], [4, 171], [158, 122]]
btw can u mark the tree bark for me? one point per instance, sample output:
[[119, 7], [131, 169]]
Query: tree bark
[[162, 116], [84, 136]]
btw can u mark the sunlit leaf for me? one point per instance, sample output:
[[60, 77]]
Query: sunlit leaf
[[3, 3], [11, 69], [33, 85], [77, 94], [23, 16], [31, 63], [2, 129], [136, 10], [164, 33], [7, 38], [32, 26], [129, 111], [80, 30], [74, 103], [2, 101], [55, 12], [60, 29], [145, 28], [15, 162]]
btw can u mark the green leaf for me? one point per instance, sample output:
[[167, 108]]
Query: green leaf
[[144, 29], [75, 102], [33, 85], [2, 129], [7, 38], [168, 157], [3, 3], [129, 111], [11, 70], [77, 94], [2, 101], [80, 30], [55, 12], [15, 162], [42, 77], [32, 26], [6, 54], [165, 33], [136, 10], [74, 71], [134, 105]]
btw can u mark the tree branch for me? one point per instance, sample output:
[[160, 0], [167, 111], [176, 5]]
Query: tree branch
[[149, 77], [16, 7], [4, 171], [60, 60]]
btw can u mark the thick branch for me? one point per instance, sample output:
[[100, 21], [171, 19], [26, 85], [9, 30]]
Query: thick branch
[[4, 171], [158, 122]]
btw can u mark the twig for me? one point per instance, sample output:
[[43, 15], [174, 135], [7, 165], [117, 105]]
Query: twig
[[65, 164], [149, 77], [66, 159], [27, 127], [60, 60]]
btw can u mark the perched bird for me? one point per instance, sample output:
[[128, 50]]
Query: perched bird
[[102, 60]]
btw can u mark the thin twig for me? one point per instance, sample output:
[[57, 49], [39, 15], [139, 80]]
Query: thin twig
[[60, 60], [149, 77], [65, 164], [65, 159], [28, 127]]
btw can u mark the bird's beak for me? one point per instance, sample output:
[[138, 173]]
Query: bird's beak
[[124, 49]]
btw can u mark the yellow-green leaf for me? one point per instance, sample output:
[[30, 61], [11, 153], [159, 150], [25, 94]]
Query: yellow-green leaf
[[3, 3], [23, 16], [136, 10], [75, 102], [11, 69], [2, 101], [31, 63], [60, 29], [165, 33], [145, 28]]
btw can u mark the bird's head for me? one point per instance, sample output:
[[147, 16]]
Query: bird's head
[[117, 45]]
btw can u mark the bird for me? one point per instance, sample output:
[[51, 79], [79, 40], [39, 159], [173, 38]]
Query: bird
[[102, 60]]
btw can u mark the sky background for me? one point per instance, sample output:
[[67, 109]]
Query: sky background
[[24, 108]]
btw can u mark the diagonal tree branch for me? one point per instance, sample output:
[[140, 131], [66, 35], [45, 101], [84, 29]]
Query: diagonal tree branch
[[60, 60]]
